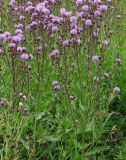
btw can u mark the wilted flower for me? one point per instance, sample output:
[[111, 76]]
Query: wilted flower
[[106, 42], [96, 58], [72, 97], [106, 75], [95, 79], [118, 60]]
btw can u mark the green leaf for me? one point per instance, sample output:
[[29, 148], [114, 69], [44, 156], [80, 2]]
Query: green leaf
[[40, 115]]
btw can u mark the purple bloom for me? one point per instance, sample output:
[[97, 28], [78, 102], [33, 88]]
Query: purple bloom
[[72, 97], [24, 56], [106, 42], [103, 8], [12, 45], [79, 2], [54, 29], [62, 11], [73, 19], [66, 42], [88, 22], [16, 38], [97, 13], [97, 1], [85, 8], [56, 88], [18, 26], [21, 49], [116, 90], [55, 82], [7, 34], [18, 31], [95, 79], [54, 53], [22, 18], [2, 36], [73, 32]]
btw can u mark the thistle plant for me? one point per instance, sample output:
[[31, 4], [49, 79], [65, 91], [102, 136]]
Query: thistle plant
[[59, 74]]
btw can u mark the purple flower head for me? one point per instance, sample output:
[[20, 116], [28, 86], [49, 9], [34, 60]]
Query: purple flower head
[[34, 16], [73, 32], [106, 42], [39, 48], [42, 9], [54, 29], [79, 2], [7, 34], [18, 26], [103, 8], [97, 13], [24, 56], [116, 89], [95, 79], [18, 31], [95, 34], [29, 9], [72, 97], [97, 2], [85, 8], [12, 45], [55, 83], [73, 26], [22, 18], [73, 19], [54, 53], [16, 38], [12, 3], [56, 88], [28, 27], [21, 49], [68, 14], [66, 42], [33, 24], [63, 11], [2, 36], [80, 14], [88, 22]]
